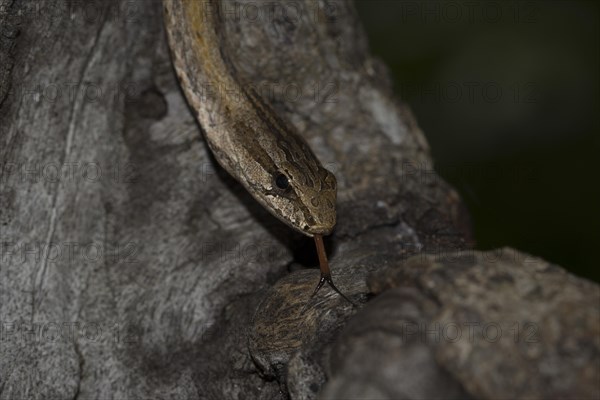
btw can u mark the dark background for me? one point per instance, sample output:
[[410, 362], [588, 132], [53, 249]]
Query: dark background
[[507, 94]]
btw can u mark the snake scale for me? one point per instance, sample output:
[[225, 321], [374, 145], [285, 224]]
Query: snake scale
[[248, 139]]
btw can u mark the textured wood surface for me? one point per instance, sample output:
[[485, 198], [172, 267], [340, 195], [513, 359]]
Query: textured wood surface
[[133, 267]]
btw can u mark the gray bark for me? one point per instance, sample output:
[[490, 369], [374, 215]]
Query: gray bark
[[133, 267]]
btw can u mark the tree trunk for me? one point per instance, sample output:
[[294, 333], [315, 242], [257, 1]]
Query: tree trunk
[[134, 267]]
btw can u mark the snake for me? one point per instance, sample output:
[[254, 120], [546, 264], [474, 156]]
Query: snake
[[248, 139]]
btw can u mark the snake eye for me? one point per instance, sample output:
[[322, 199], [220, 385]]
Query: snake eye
[[282, 182]]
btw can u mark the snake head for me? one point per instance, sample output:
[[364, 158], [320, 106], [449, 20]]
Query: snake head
[[305, 199], [301, 193]]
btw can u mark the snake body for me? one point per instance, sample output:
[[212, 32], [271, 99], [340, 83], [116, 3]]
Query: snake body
[[260, 150]]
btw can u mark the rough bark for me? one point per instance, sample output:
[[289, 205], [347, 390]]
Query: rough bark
[[133, 267]]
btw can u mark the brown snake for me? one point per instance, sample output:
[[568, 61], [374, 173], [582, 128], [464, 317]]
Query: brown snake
[[260, 150]]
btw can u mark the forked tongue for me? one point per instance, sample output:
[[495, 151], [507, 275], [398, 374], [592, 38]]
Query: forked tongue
[[325, 271]]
